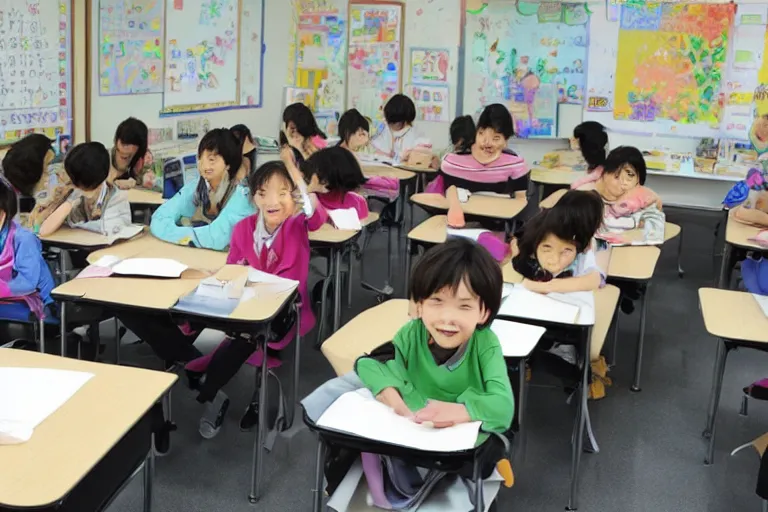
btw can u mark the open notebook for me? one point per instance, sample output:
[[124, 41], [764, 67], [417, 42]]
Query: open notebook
[[563, 308], [30, 395], [140, 267], [359, 413]]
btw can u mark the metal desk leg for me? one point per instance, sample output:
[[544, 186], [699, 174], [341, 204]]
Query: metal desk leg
[[581, 419], [296, 364], [615, 344], [521, 408], [680, 271], [41, 326], [714, 399], [337, 290], [63, 319], [117, 341], [257, 461], [407, 269], [724, 281], [640, 340], [149, 475], [317, 502], [349, 277]]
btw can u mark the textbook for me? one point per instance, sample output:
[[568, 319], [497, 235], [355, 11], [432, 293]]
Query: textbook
[[137, 267]]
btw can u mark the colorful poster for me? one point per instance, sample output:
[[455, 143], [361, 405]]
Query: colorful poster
[[201, 64], [671, 61], [535, 114], [130, 47], [374, 61], [429, 65], [432, 102]]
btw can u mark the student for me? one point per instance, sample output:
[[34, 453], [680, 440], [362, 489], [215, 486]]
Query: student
[[25, 279], [301, 132], [40, 184], [94, 204], [245, 138], [487, 167], [462, 134], [204, 212], [354, 130], [749, 199], [337, 173], [131, 142], [591, 139], [446, 366], [274, 240], [399, 136]]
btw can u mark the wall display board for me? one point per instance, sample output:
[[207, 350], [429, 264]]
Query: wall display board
[[35, 68]]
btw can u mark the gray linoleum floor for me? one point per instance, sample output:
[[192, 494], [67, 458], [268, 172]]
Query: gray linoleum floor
[[652, 452]]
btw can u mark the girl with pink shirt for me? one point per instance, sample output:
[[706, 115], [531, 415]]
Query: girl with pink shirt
[[591, 139], [301, 132], [274, 240]]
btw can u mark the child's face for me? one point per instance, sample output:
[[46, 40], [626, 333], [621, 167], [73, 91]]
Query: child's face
[[295, 139], [212, 167], [451, 318], [358, 140], [619, 183], [555, 255], [488, 145], [397, 127], [275, 201], [124, 153]]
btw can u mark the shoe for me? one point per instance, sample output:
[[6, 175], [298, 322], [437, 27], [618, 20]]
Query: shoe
[[627, 306], [213, 418], [600, 379], [251, 417]]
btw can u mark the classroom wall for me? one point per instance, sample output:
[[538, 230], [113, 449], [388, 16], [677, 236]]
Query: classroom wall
[[108, 111]]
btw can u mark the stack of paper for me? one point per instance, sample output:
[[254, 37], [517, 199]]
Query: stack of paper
[[563, 308], [346, 219], [359, 413], [30, 395], [517, 340], [144, 267]]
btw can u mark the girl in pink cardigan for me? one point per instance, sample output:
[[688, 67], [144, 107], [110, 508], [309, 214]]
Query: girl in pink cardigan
[[590, 138], [274, 240]]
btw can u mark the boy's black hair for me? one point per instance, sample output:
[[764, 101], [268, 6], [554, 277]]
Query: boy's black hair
[[350, 123], [223, 142], [448, 265], [23, 163], [303, 119], [336, 168], [242, 133], [576, 217], [463, 131], [87, 165], [133, 132], [592, 142], [8, 202], [400, 109], [498, 118], [622, 156], [261, 176]]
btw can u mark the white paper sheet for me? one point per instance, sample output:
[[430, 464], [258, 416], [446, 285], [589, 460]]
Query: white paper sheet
[[359, 413], [472, 234], [30, 395], [762, 301], [346, 219], [517, 340], [267, 284], [152, 267], [522, 303]]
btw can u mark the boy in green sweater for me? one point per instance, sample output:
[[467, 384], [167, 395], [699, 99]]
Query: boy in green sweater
[[446, 367]]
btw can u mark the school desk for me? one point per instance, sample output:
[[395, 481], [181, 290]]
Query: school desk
[[80, 457], [146, 200], [552, 199], [489, 207], [737, 235], [737, 321], [558, 176], [407, 181]]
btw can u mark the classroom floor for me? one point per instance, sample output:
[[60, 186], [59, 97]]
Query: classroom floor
[[652, 452]]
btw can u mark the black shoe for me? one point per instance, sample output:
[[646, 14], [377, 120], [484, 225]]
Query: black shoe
[[251, 417], [627, 305], [162, 439]]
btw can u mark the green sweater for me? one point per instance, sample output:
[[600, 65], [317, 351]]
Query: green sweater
[[479, 380]]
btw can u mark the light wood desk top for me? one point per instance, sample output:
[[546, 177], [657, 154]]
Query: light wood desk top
[[148, 246], [328, 234], [636, 263], [141, 196], [364, 333], [69, 443], [418, 170], [79, 238], [738, 234], [671, 231], [552, 199], [556, 176], [371, 170], [504, 208], [431, 231], [733, 315]]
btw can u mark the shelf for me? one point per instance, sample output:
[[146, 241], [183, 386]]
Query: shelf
[[695, 175]]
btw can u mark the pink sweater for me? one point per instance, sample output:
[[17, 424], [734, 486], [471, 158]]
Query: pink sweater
[[342, 201]]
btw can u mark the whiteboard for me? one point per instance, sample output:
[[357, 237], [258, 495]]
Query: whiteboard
[[201, 53], [35, 68]]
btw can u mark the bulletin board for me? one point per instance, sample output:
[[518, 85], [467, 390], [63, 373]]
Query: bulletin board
[[213, 55], [35, 68], [319, 53], [131, 47], [528, 56], [665, 69], [375, 55]]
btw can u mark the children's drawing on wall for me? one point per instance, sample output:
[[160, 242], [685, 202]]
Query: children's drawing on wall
[[429, 65], [432, 102], [131, 48], [534, 108], [670, 62]]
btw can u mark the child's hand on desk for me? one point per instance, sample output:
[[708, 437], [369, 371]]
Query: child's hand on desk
[[392, 399], [443, 414], [537, 287]]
